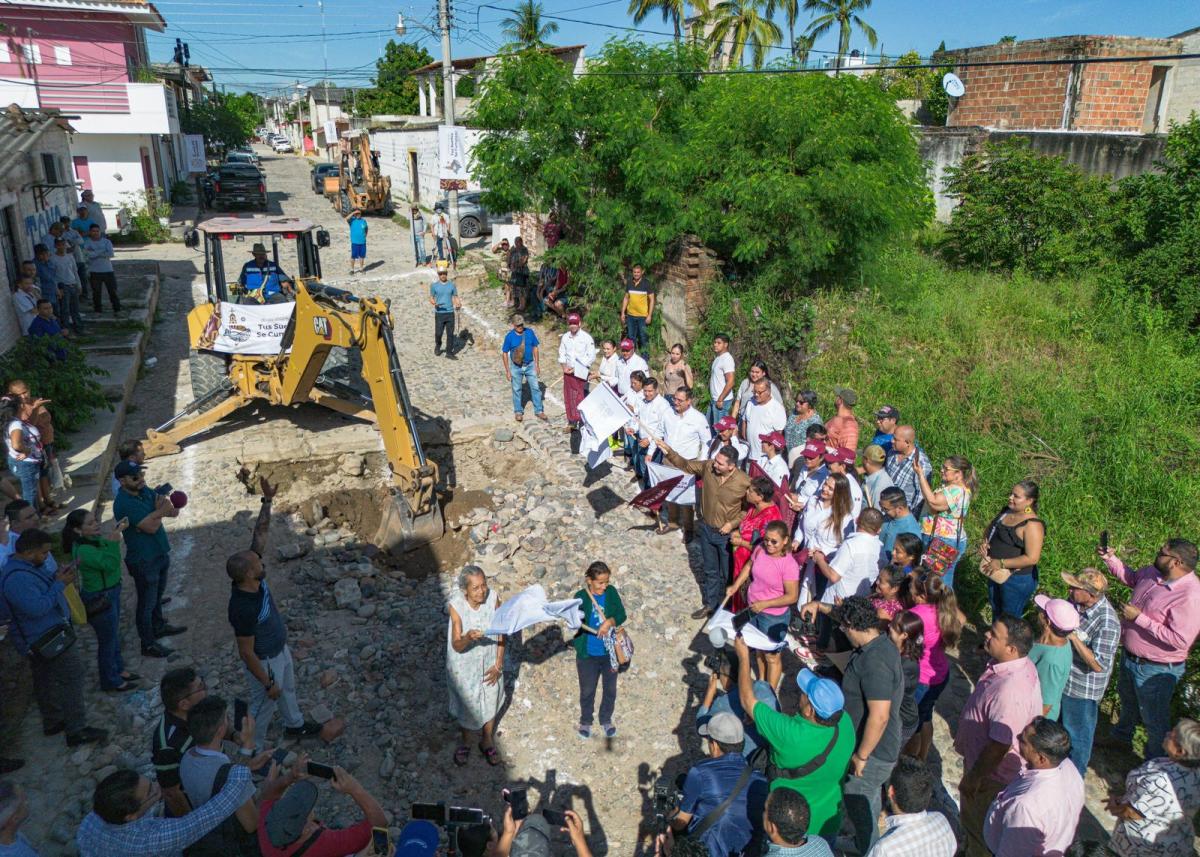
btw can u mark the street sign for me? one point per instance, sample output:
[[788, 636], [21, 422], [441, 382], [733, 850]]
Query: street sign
[[193, 153], [453, 157]]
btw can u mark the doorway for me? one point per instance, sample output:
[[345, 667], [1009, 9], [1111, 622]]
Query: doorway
[[414, 176], [8, 245]]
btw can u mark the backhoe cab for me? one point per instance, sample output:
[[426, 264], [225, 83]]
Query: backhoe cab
[[315, 344]]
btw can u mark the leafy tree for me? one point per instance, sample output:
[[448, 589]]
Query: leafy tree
[[743, 23], [844, 13], [1022, 210], [1157, 225], [673, 12], [224, 119], [525, 28], [1007, 40], [903, 80], [815, 175], [394, 89]]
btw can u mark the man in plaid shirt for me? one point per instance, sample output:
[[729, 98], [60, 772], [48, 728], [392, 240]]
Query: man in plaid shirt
[[911, 829], [1095, 645], [118, 825], [906, 455]]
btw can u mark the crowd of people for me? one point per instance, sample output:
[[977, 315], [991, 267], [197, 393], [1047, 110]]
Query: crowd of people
[[839, 551]]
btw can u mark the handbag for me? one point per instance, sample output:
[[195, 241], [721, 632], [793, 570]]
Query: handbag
[[622, 643], [940, 554], [51, 643], [79, 613]]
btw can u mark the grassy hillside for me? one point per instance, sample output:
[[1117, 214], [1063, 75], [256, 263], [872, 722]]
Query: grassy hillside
[[1097, 401]]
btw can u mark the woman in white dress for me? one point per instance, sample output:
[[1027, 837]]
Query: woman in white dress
[[474, 664], [826, 520]]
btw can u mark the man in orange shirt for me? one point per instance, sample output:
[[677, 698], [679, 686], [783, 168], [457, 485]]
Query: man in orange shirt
[[843, 428]]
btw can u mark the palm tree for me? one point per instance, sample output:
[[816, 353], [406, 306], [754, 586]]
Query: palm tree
[[801, 48], [743, 23], [673, 12], [791, 11], [525, 27], [844, 13]]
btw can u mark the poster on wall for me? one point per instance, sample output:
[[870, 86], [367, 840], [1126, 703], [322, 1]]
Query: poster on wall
[[193, 149], [331, 136], [246, 328], [453, 157]]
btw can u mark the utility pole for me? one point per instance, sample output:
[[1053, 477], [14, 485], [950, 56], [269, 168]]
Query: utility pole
[[448, 98], [325, 57]]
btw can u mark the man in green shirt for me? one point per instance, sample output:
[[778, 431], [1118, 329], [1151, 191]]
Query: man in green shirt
[[147, 553], [811, 749]]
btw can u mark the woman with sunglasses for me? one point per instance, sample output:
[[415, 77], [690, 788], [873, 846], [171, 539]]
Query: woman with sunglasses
[[946, 509]]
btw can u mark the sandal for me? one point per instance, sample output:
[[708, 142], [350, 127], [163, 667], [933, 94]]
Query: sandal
[[461, 755], [519, 417], [490, 753], [662, 531]]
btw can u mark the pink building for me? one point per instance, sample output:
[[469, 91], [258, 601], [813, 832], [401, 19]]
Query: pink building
[[89, 60]]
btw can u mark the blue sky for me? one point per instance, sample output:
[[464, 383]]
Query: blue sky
[[269, 44]]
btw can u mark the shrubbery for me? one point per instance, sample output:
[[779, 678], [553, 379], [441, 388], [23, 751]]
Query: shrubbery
[[68, 382]]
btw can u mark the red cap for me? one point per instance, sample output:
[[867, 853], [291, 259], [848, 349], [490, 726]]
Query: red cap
[[774, 438], [813, 449], [626, 345], [574, 318], [842, 454], [725, 423]]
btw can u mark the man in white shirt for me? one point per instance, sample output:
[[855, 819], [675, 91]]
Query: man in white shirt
[[628, 362], [635, 401], [841, 460], [689, 435], [653, 414], [720, 380], [855, 565], [25, 300], [576, 351], [911, 830], [764, 414]]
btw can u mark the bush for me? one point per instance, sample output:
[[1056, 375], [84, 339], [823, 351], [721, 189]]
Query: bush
[[68, 383], [182, 192], [147, 210], [1022, 210]]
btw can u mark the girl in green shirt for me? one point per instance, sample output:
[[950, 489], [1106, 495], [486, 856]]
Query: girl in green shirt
[[100, 586]]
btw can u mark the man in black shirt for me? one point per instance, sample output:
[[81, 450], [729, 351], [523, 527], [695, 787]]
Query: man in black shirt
[[262, 635], [180, 690], [873, 685]]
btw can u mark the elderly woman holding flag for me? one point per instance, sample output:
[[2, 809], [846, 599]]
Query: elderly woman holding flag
[[474, 664]]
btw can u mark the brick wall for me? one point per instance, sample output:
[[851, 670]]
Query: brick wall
[[1090, 97], [683, 282]]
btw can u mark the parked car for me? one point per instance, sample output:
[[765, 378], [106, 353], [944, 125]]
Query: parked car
[[473, 219], [239, 186], [319, 173], [281, 146], [242, 156]]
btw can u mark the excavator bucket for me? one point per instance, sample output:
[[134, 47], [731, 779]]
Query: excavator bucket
[[401, 531]]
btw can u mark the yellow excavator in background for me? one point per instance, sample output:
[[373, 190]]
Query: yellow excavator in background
[[360, 183], [327, 346]]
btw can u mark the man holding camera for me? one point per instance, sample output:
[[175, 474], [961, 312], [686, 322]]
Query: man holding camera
[[723, 796], [722, 695], [286, 824]]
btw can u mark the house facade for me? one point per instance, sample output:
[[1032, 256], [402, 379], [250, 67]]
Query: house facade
[[89, 60], [35, 190]]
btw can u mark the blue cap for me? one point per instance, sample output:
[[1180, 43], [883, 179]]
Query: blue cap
[[824, 694], [417, 839]]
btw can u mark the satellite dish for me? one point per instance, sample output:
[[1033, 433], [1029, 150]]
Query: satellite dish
[[953, 86]]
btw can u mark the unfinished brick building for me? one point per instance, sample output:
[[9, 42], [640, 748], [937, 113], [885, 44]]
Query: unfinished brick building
[[1125, 97]]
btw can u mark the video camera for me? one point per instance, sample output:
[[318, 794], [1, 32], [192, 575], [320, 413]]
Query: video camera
[[666, 794], [448, 816]]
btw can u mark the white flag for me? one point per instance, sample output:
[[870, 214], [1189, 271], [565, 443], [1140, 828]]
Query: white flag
[[530, 607], [754, 638]]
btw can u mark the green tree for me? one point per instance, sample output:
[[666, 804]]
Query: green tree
[[224, 119], [525, 28], [1007, 40], [1022, 210], [801, 47], [745, 24], [394, 89], [673, 12], [844, 13]]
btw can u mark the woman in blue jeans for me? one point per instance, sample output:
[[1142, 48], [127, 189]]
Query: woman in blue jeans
[[1012, 545], [25, 452], [946, 509], [100, 583], [603, 613]]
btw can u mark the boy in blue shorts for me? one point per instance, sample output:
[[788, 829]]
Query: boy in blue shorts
[[358, 240]]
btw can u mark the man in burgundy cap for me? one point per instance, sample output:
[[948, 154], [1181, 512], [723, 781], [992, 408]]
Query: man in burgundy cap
[[725, 434], [576, 352]]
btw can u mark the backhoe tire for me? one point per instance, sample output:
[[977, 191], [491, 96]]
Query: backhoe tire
[[208, 372], [344, 203]]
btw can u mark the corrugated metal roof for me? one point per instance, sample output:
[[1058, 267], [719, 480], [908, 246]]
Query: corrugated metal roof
[[17, 122]]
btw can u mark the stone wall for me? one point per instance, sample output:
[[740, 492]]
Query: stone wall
[[1080, 97], [1184, 81], [683, 284]]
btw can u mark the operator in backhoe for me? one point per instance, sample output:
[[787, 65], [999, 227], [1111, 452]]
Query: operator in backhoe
[[264, 282]]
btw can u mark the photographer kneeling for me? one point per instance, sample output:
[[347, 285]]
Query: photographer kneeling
[[722, 696], [723, 796]]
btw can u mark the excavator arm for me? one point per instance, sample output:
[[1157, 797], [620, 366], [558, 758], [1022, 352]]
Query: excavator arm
[[326, 318]]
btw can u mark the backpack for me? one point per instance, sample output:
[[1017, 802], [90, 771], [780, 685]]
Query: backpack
[[228, 839]]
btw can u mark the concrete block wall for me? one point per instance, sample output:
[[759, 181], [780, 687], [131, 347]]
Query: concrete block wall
[[1185, 82], [1086, 97]]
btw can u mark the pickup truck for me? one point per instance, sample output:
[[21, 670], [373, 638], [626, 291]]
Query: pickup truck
[[239, 186]]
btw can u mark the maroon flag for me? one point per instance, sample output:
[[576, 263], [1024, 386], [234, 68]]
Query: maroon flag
[[781, 492], [652, 498]]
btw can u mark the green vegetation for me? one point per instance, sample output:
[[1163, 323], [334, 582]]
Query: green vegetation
[[524, 29], [394, 90], [225, 120], [845, 15], [68, 383], [147, 211]]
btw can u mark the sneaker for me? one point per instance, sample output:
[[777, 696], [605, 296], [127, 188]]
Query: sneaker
[[450, 355], [310, 729], [170, 630], [156, 650], [87, 735], [585, 732], [7, 766], [610, 731]]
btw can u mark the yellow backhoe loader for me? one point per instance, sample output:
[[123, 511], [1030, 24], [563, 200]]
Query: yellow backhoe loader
[[317, 344], [360, 183]]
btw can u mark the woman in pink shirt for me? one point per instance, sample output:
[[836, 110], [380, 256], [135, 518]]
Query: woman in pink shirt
[[774, 587], [929, 597]]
